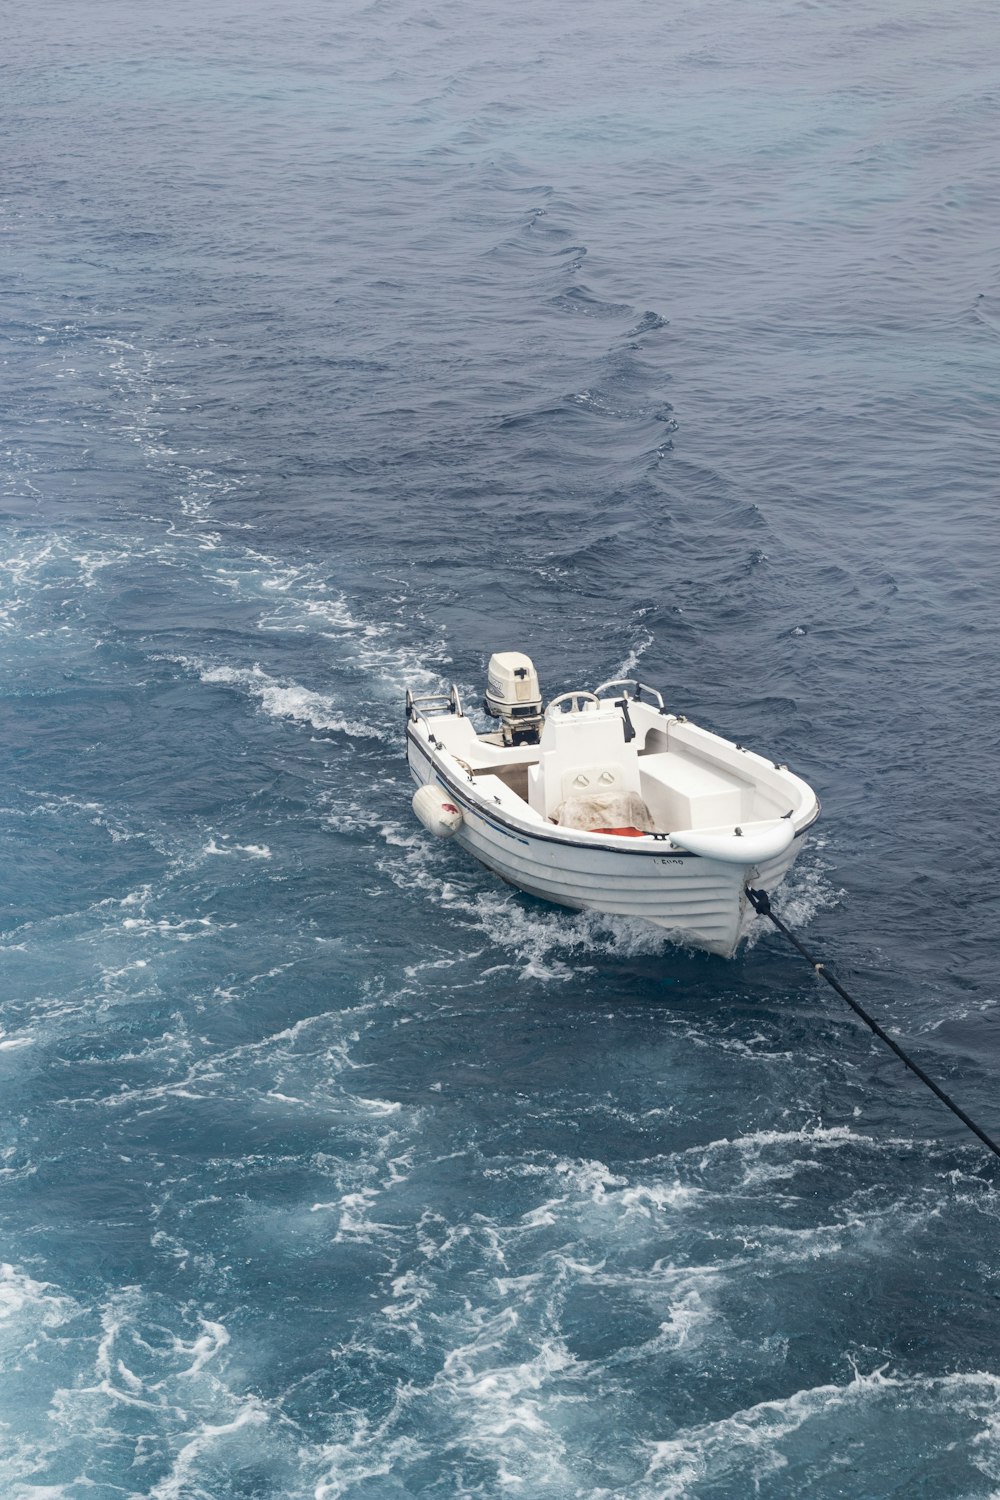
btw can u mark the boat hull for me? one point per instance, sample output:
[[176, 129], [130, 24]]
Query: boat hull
[[697, 901]]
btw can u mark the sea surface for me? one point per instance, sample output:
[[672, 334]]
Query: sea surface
[[342, 345]]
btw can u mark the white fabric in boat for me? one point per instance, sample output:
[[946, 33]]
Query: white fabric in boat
[[605, 810]]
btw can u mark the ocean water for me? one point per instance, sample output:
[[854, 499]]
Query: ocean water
[[342, 345]]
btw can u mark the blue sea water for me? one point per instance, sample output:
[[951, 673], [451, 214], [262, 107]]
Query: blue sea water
[[344, 344]]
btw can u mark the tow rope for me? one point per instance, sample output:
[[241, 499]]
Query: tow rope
[[761, 903]]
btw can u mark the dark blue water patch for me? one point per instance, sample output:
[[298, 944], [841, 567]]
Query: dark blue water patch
[[580, 301]]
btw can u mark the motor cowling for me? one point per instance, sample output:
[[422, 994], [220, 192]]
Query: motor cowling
[[514, 697], [436, 811]]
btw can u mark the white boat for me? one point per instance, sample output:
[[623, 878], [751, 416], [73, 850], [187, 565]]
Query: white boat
[[608, 802]]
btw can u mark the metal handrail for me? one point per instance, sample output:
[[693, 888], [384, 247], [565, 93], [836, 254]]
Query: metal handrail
[[640, 688], [420, 705]]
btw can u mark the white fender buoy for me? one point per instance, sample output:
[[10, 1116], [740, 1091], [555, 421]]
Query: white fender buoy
[[436, 811], [755, 844]]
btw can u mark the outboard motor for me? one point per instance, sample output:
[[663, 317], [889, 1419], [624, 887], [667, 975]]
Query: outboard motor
[[514, 697]]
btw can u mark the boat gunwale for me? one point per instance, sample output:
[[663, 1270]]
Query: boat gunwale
[[493, 814]]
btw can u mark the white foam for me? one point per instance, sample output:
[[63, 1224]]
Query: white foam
[[689, 1317], [498, 1401], [410, 1292], [90, 564], [352, 1210], [547, 946], [181, 1482], [164, 1368], [749, 1442], [40, 1301], [385, 662], [378, 655], [209, 1343], [653, 1199], [589, 1178], [286, 699], [14, 1043], [365, 1453], [804, 892], [184, 930], [252, 851], [378, 1107], [641, 643], [824, 1137]]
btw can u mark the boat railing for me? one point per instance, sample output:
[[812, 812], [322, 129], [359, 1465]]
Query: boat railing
[[427, 705], [639, 689]]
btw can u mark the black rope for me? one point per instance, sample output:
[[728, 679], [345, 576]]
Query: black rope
[[761, 903]]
